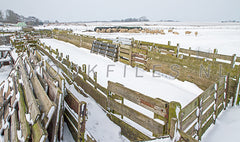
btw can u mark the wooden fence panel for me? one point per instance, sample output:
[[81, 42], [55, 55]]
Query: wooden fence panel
[[156, 105], [137, 117]]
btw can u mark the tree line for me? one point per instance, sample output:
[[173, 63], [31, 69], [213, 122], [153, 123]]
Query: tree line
[[13, 18]]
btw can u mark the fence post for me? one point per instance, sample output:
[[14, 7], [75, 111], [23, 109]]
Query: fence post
[[118, 52], [61, 56], [225, 95], [215, 104], [236, 100], [173, 127], [178, 47], [214, 52], [81, 121], [95, 79], [234, 57], [199, 115], [173, 115], [169, 43], [130, 55], [84, 69], [57, 53], [189, 54]]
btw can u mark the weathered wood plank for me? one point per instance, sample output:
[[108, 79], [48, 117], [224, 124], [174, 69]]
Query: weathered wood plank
[[101, 88], [124, 55], [137, 117], [138, 50], [207, 114], [189, 120], [125, 47], [208, 102], [72, 101], [144, 57], [219, 100], [192, 131], [219, 110], [29, 96], [190, 107], [1, 97], [206, 126], [139, 60], [208, 92], [25, 128], [156, 105]]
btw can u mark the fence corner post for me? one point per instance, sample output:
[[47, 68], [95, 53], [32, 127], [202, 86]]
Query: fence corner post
[[174, 109]]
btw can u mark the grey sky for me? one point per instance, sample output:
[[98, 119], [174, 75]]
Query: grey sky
[[155, 10]]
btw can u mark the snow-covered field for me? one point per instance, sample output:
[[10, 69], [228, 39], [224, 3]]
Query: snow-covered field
[[222, 36]]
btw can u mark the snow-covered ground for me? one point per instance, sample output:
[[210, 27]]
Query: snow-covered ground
[[222, 36], [227, 127]]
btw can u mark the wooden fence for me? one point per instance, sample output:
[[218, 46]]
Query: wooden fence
[[194, 119], [200, 112], [201, 68], [75, 110], [78, 75]]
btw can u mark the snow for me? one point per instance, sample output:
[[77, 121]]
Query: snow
[[226, 127], [221, 36], [4, 72], [136, 78]]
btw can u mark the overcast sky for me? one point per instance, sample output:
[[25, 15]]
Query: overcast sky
[[155, 10]]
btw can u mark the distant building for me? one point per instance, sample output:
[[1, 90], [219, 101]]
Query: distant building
[[21, 24]]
